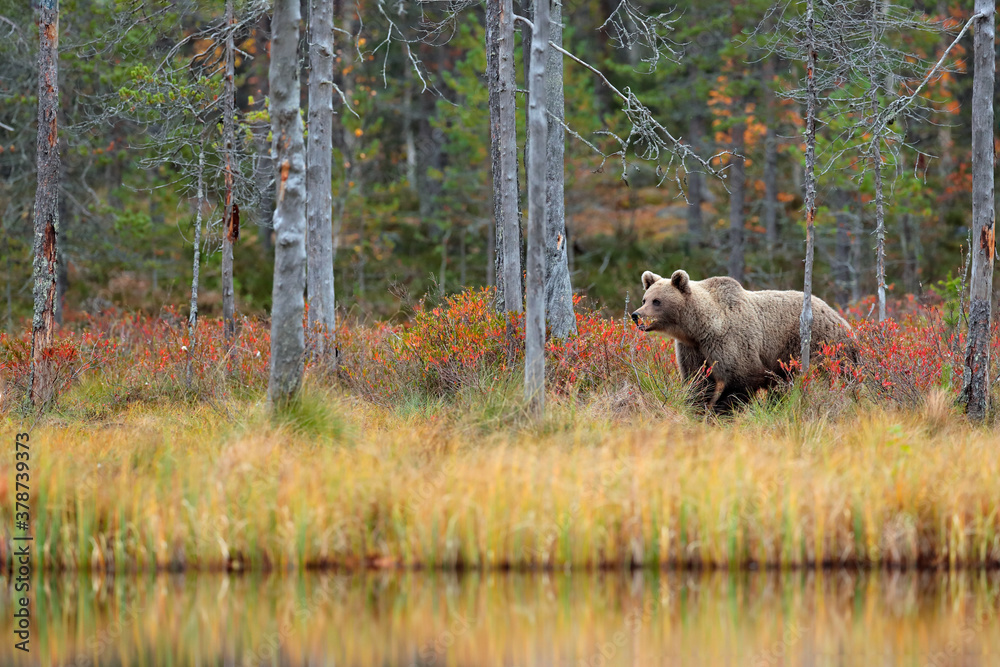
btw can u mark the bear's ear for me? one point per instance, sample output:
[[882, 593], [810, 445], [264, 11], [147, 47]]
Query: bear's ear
[[648, 278], [680, 280]]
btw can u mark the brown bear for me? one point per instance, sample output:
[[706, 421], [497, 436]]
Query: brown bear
[[740, 336]]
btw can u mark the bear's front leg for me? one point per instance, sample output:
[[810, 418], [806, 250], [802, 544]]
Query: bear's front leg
[[720, 385]]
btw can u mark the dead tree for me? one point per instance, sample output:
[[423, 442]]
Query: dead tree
[[195, 267], [503, 146], [534, 326], [287, 302], [812, 104], [46, 224], [874, 82], [737, 187], [319, 203], [558, 286], [977, 352], [230, 211]]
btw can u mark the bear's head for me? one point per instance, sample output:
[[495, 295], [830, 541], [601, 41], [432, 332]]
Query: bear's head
[[663, 303]]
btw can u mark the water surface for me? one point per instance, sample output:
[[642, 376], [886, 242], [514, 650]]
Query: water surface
[[527, 620]]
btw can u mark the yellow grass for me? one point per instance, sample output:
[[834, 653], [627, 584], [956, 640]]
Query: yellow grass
[[585, 620], [598, 485]]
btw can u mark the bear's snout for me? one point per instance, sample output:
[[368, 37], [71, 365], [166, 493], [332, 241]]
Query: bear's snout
[[635, 317]]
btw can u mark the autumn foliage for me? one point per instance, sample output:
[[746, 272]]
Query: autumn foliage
[[459, 345]]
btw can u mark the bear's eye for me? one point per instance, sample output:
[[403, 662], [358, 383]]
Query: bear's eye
[[656, 302]]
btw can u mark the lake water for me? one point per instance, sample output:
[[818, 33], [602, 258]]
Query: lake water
[[525, 620]]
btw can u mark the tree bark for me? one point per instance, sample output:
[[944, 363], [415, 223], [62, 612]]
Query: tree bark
[[534, 325], [264, 172], [558, 288], [503, 140], [737, 187], [319, 203], [230, 215], [46, 222], [876, 165], [195, 268], [806, 319], [977, 355], [287, 335], [876, 160]]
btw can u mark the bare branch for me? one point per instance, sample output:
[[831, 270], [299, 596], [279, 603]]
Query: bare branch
[[651, 139], [629, 28]]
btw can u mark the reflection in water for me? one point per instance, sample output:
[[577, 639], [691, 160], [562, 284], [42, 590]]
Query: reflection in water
[[578, 620]]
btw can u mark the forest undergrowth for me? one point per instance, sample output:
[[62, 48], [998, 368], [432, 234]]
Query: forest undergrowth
[[415, 451]]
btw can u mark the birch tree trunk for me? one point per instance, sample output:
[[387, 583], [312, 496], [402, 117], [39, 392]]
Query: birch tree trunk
[[287, 335], [806, 319], [230, 215], [46, 223], [195, 268], [876, 159], [977, 355], [503, 142], [319, 184], [558, 288], [737, 186], [534, 325]]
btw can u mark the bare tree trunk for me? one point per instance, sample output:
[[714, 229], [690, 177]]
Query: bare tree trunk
[[806, 319], [534, 324], [737, 186], [230, 215], [319, 185], [696, 128], [977, 355], [876, 158], [287, 335], [264, 172], [491, 254], [558, 288], [195, 268], [503, 136], [46, 224]]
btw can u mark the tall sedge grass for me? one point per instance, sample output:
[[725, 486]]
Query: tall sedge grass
[[365, 487]]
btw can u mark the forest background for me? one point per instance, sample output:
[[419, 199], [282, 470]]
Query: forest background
[[412, 181]]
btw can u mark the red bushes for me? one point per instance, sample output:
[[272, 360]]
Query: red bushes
[[460, 344]]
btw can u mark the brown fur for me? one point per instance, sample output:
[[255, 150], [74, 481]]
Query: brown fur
[[741, 335]]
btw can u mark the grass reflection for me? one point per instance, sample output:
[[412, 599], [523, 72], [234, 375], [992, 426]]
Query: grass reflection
[[581, 620]]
